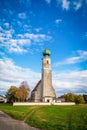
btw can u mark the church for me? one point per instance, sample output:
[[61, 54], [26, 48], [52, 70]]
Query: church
[[44, 91]]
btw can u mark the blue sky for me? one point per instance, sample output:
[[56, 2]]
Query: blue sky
[[27, 27]]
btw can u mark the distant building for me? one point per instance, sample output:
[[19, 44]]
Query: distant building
[[44, 91], [60, 99], [85, 98], [3, 99]]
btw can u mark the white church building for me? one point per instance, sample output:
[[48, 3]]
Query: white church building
[[44, 91]]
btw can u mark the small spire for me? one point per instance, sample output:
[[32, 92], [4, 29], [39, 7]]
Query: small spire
[[46, 52]]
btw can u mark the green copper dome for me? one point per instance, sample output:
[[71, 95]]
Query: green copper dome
[[46, 52]]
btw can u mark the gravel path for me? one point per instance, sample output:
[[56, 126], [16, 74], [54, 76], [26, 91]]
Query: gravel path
[[7, 123]]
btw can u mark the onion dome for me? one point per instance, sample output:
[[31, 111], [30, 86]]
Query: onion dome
[[46, 52]]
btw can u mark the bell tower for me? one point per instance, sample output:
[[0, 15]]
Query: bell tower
[[48, 92]]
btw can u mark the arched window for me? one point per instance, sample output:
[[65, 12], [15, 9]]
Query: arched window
[[47, 62]]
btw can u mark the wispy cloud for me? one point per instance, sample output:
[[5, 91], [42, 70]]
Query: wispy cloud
[[37, 37], [48, 1], [81, 56], [12, 74], [57, 21], [7, 25], [8, 11], [22, 15], [27, 28], [19, 43], [65, 4], [38, 29], [70, 81], [77, 5]]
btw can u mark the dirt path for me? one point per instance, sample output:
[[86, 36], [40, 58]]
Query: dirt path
[[7, 123]]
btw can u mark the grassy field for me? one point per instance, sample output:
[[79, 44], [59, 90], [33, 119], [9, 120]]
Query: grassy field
[[50, 117]]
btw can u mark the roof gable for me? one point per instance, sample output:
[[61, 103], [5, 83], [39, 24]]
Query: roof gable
[[36, 86]]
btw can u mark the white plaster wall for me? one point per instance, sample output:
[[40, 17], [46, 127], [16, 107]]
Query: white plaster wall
[[38, 103], [64, 103], [29, 104]]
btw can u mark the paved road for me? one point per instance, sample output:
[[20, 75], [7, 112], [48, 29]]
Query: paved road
[[7, 123]]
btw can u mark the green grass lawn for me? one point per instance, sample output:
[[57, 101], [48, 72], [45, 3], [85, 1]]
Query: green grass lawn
[[50, 117]]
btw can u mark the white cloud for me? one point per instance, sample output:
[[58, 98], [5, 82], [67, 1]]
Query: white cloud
[[17, 49], [70, 81], [20, 43], [38, 29], [12, 74], [5, 35], [7, 11], [22, 15], [7, 25], [10, 44], [27, 27], [81, 56], [77, 5], [58, 21], [19, 23], [65, 4], [37, 37]]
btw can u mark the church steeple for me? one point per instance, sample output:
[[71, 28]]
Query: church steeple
[[46, 52], [48, 93], [44, 91]]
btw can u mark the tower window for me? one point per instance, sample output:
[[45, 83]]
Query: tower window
[[47, 62]]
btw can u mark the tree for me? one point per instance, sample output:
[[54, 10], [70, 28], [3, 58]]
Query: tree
[[10, 94], [22, 93], [79, 99], [71, 97], [18, 94], [24, 83]]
